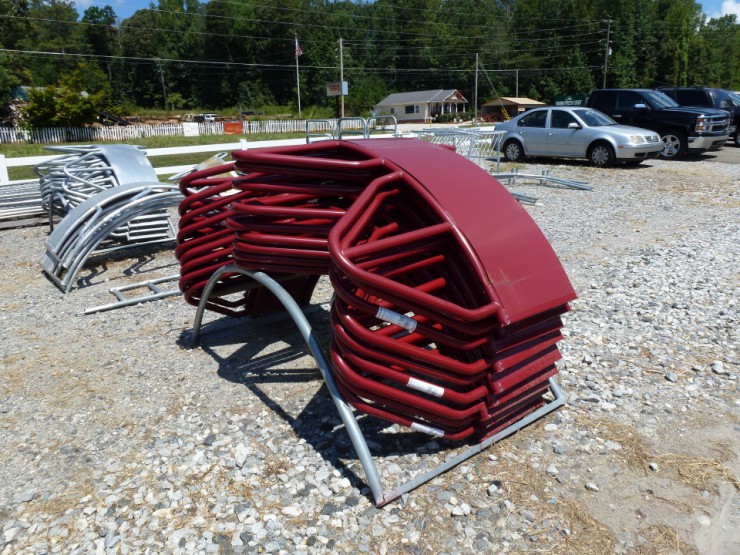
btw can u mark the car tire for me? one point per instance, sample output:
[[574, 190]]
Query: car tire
[[513, 151], [601, 154], [737, 139], [674, 145]]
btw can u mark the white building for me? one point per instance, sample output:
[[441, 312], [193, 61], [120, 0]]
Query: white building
[[421, 106]]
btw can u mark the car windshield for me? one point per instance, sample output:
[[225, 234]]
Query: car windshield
[[735, 97], [594, 118], [659, 100]]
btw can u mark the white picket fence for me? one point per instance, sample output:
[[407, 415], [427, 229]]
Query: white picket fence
[[94, 134], [200, 152]]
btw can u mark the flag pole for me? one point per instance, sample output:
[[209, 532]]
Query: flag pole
[[298, 52]]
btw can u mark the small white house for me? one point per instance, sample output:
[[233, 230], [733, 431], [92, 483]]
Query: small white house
[[421, 106]]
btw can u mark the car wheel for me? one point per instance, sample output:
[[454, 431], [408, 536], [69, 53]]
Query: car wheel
[[513, 151], [737, 139], [674, 145], [601, 155]]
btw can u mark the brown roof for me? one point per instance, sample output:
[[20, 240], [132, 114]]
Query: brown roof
[[513, 101]]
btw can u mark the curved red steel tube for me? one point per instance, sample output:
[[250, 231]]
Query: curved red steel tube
[[448, 297]]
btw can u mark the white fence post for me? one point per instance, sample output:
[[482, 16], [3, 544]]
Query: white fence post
[[3, 170]]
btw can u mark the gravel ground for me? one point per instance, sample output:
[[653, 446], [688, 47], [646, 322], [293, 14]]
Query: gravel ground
[[117, 437]]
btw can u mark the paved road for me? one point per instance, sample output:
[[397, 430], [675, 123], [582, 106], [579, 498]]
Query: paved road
[[730, 154]]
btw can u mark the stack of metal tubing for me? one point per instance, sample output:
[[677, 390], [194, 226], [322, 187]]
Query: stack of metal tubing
[[204, 241], [448, 298], [86, 170]]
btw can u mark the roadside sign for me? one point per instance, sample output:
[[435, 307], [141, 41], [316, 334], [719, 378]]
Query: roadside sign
[[190, 129], [232, 127], [337, 88]]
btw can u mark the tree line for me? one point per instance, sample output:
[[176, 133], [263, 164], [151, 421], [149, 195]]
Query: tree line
[[242, 53]]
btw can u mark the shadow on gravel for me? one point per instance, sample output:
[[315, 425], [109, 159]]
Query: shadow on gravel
[[578, 164], [266, 353], [108, 267]]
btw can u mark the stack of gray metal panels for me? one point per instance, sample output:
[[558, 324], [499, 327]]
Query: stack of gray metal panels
[[85, 170]]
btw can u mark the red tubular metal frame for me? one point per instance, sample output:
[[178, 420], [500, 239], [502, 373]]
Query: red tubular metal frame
[[497, 229], [448, 297]]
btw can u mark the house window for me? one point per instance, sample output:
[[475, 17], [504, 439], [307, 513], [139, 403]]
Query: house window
[[412, 109], [393, 111]]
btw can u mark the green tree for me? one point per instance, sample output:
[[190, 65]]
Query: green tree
[[140, 78], [53, 28], [632, 43], [66, 105], [232, 36], [715, 53], [13, 26], [7, 82], [680, 19], [99, 30], [14, 23], [366, 92]]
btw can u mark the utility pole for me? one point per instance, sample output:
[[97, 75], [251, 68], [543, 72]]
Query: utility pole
[[341, 73], [606, 50], [298, 52], [161, 77], [475, 95], [517, 84]]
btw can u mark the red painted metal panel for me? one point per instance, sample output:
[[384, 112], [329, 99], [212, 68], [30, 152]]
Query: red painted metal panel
[[518, 259], [448, 296]]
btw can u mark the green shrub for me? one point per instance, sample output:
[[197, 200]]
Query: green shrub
[[446, 118]]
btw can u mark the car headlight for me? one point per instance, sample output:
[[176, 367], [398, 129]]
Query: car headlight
[[636, 139], [700, 123]]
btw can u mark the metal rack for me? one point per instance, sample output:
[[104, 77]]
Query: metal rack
[[438, 323], [381, 496]]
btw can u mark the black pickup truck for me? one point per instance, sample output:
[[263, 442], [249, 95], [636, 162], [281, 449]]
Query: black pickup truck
[[713, 98], [683, 130]]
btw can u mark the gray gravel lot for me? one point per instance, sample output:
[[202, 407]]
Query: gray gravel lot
[[117, 437]]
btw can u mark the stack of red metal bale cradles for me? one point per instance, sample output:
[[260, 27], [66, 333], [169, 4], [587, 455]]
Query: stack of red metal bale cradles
[[448, 298]]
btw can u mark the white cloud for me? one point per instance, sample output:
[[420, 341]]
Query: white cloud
[[729, 7]]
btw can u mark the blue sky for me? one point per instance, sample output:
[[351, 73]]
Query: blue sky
[[125, 8]]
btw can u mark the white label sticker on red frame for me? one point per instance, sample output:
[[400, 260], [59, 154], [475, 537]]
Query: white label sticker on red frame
[[396, 319]]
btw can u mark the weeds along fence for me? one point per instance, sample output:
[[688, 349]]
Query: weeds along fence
[[52, 135]]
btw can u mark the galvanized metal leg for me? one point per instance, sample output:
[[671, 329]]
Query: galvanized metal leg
[[155, 294], [558, 401], [345, 410]]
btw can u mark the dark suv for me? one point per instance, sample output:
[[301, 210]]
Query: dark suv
[[681, 129], [714, 98]]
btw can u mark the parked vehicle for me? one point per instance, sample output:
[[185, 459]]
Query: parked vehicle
[[682, 129], [576, 132], [206, 118], [713, 98]]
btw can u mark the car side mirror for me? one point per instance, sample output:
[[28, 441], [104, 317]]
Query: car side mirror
[[641, 106], [573, 125]]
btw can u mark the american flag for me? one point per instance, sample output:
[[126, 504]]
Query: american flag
[[298, 50]]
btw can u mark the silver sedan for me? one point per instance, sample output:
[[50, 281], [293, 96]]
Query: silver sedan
[[576, 133]]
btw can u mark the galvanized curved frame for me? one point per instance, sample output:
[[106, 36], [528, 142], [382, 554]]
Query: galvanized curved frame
[[90, 223], [85, 171]]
